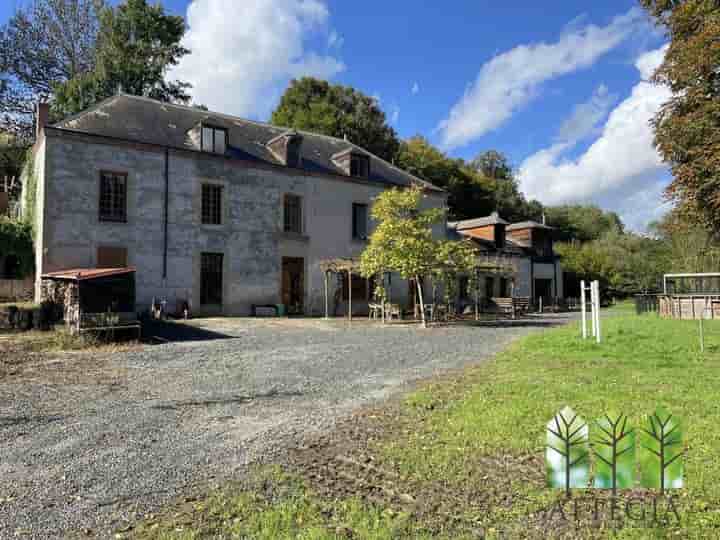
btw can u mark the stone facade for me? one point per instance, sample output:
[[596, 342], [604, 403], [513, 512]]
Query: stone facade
[[250, 237]]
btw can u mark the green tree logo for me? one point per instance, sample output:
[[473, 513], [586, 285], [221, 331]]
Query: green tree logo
[[660, 452], [567, 451], [614, 448]]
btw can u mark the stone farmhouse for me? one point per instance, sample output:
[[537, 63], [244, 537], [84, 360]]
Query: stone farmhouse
[[225, 213]]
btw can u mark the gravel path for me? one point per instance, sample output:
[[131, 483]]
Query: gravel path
[[89, 442]]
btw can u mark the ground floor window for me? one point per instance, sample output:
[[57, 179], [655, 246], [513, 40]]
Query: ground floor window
[[211, 278]]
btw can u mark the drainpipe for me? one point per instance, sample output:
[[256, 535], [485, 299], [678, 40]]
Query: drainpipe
[[165, 224]]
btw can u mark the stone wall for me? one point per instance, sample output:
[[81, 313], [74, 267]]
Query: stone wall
[[250, 238]]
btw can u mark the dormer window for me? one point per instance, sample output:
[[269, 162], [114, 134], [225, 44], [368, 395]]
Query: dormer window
[[286, 148], [359, 166], [213, 140], [353, 163]]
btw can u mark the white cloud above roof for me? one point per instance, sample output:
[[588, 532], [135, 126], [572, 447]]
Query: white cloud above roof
[[244, 53], [620, 168], [512, 79]]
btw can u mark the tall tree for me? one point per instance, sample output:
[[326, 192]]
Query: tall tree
[[582, 222], [338, 111], [468, 195], [137, 44], [45, 44], [687, 127], [493, 164]]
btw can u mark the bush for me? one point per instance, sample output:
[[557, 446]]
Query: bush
[[16, 239]]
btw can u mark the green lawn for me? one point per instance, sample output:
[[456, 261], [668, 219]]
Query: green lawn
[[477, 441]]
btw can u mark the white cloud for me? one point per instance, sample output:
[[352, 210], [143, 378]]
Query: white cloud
[[511, 79], [244, 53], [619, 168], [415, 89], [585, 117], [395, 114], [335, 40]]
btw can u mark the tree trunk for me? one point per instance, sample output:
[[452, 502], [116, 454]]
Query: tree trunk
[[418, 284]]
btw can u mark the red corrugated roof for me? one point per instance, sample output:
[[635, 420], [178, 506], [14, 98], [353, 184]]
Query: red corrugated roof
[[80, 274]]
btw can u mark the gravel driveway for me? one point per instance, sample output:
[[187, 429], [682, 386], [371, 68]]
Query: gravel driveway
[[89, 442]]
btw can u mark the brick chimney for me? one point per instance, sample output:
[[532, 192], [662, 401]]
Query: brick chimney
[[41, 118]]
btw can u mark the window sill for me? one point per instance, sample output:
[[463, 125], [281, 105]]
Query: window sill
[[359, 240], [297, 237], [113, 221]]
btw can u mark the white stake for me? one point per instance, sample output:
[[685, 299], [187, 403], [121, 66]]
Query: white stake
[[596, 310], [583, 308]]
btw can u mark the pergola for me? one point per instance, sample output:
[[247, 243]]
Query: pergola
[[339, 265], [351, 265]]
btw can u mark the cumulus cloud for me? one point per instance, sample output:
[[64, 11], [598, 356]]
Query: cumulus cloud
[[244, 53], [511, 79], [619, 167], [584, 119], [415, 89]]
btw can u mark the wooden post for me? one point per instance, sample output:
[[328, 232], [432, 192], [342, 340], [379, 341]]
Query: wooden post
[[583, 308], [327, 299], [349, 295]]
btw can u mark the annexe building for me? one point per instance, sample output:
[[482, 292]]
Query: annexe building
[[526, 246], [213, 210]]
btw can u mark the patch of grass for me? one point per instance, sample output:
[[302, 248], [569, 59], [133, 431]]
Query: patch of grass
[[502, 407], [480, 436], [277, 506], [19, 305]]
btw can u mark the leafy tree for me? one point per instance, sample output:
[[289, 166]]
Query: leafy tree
[[403, 241], [687, 127], [691, 247], [623, 263], [16, 239], [339, 111], [137, 44], [12, 158], [45, 44], [469, 195], [582, 222], [493, 164]]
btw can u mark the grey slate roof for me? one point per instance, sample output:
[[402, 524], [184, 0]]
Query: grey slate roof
[[528, 225], [492, 219], [145, 120]]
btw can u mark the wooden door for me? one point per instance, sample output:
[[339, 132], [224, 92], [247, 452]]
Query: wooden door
[[293, 279]]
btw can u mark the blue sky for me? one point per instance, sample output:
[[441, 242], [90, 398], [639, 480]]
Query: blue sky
[[555, 85]]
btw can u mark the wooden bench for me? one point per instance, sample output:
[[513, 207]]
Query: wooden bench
[[512, 306]]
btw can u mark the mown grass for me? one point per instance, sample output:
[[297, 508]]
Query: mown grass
[[644, 362], [455, 428]]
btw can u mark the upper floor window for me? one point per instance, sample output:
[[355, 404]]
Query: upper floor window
[[293, 214], [359, 221], [359, 166], [211, 204], [113, 196], [213, 140]]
